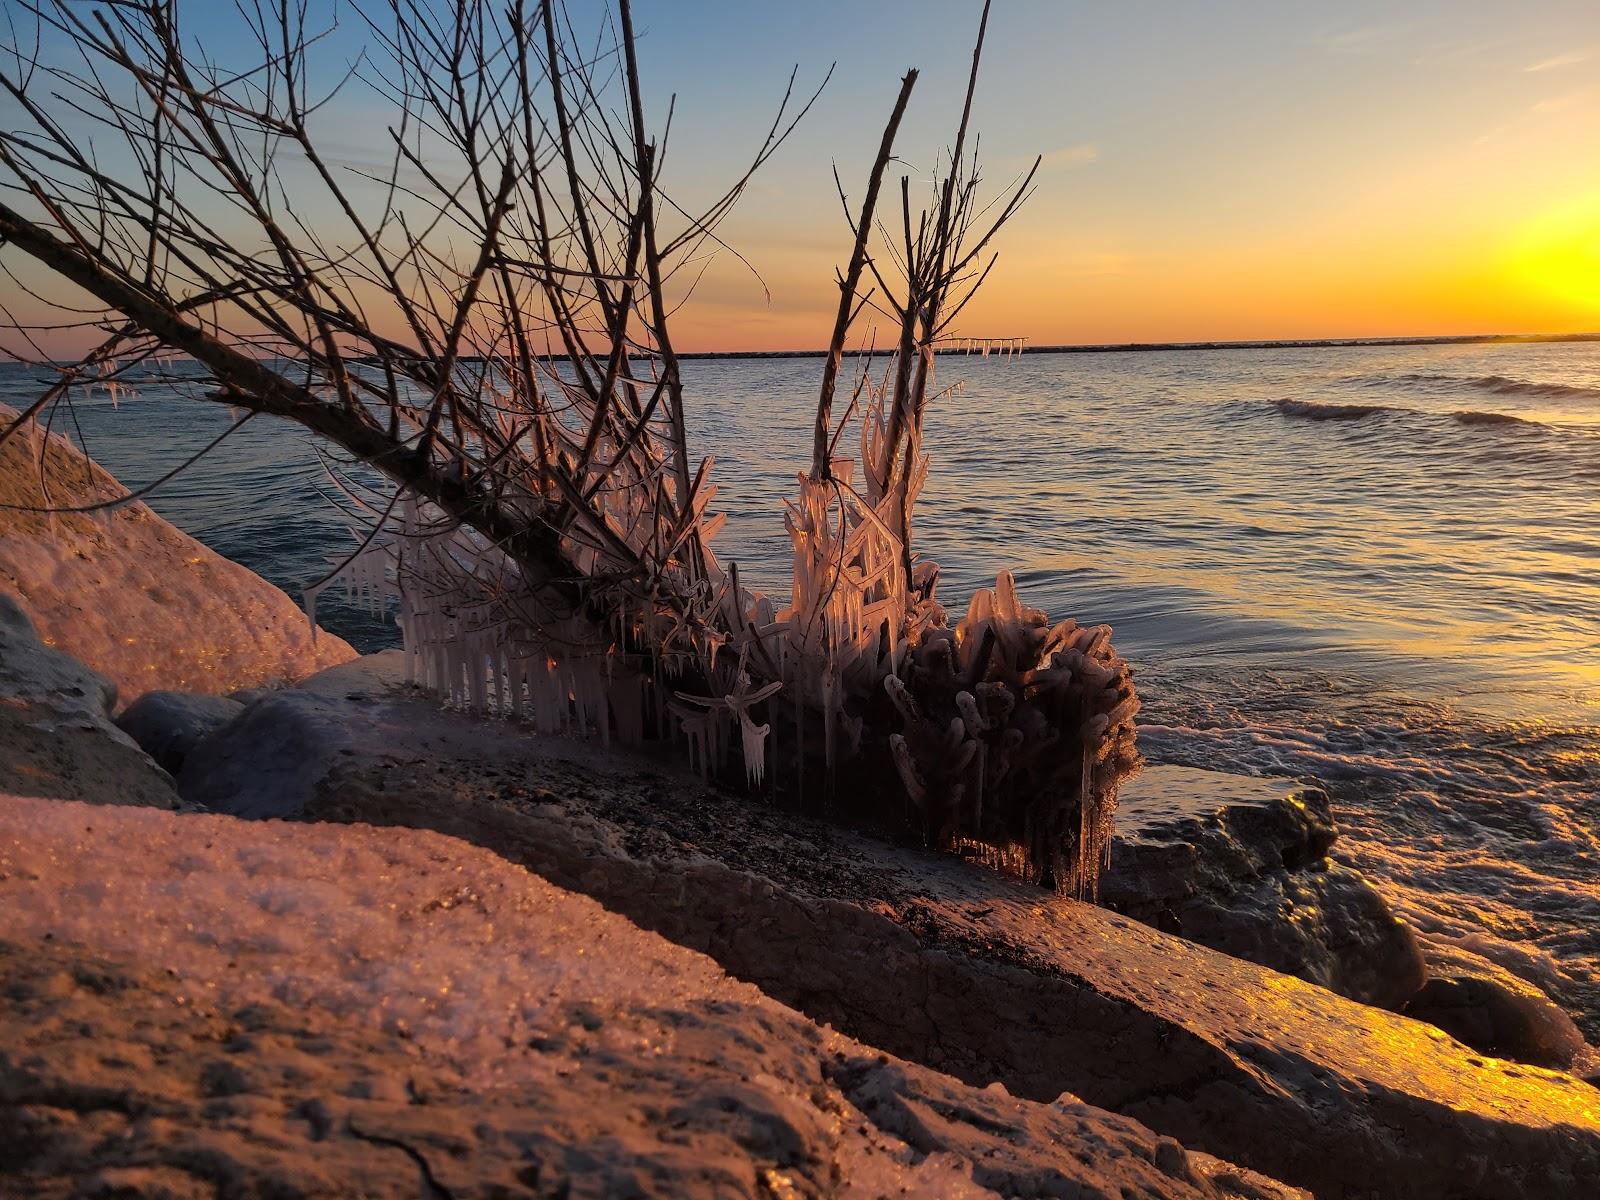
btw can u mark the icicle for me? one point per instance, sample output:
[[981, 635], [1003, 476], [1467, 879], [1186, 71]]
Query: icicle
[[627, 707], [514, 665], [456, 659], [552, 699], [1006, 606], [716, 745], [477, 672], [755, 738], [1085, 877], [697, 729], [800, 743], [309, 602], [826, 687]]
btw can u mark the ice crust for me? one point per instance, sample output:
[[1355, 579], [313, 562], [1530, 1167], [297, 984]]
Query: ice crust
[[470, 958], [407, 930]]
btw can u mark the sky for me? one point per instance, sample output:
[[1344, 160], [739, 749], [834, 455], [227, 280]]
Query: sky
[[1237, 169], [1222, 170]]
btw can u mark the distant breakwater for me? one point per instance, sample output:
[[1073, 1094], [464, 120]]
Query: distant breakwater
[[1465, 339]]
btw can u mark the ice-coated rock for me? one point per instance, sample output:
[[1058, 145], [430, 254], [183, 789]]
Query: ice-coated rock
[[371, 677], [271, 756], [167, 725], [317, 1011], [957, 968], [1490, 1009], [1241, 865], [56, 735], [133, 597]]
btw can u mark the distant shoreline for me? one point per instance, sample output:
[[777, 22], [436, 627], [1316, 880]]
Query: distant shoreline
[[1465, 339], [1462, 339]]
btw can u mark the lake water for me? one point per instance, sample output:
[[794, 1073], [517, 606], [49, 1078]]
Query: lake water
[[1377, 567]]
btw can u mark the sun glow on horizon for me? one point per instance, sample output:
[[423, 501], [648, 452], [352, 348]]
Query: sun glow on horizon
[[1558, 252]]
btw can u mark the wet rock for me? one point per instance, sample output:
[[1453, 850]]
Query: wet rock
[[133, 597], [1241, 865], [472, 1077], [56, 735], [957, 968], [1492, 1010], [167, 725]]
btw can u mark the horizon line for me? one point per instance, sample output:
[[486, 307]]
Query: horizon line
[[1458, 339]]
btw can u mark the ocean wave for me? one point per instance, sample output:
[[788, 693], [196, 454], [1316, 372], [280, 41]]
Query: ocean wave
[[1316, 410], [1499, 385], [1472, 417], [1312, 410]]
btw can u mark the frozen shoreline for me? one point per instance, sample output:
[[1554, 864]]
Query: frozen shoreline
[[295, 1003], [610, 831], [661, 855]]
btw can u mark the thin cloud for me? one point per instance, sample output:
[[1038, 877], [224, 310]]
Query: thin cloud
[[1453, 52], [1361, 39], [1068, 157], [1558, 103], [1570, 59]]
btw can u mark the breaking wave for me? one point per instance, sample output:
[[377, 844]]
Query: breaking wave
[[1315, 410], [1312, 410], [1470, 417], [1500, 385]]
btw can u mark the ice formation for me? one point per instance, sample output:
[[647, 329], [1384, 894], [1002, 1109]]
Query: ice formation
[[704, 729], [548, 544], [1008, 735], [473, 632], [1015, 736], [108, 378]]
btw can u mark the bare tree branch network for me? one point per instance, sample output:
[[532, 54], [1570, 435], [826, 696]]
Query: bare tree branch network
[[475, 313]]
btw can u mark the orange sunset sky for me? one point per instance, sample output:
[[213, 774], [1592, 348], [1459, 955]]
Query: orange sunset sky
[[1226, 170], [1238, 169]]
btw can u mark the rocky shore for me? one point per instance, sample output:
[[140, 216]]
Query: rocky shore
[[329, 939], [383, 1012], [140, 601]]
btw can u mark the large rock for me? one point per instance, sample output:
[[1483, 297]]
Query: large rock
[[167, 725], [1490, 1009], [1241, 865], [56, 735], [312, 1011], [133, 597], [957, 968], [282, 744]]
